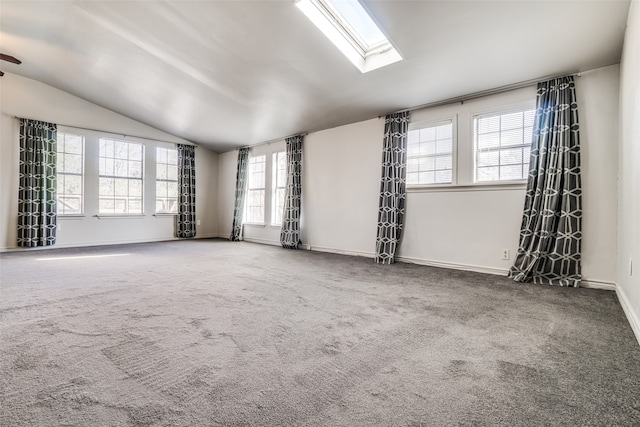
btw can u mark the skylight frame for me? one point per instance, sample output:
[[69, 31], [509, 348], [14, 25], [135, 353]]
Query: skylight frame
[[344, 36], [349, 30]]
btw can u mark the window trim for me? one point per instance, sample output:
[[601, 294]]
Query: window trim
[[81, 175], [463, 113], [488, 112], [143, 171], [156, 213], [483, 186], [422, 124], [274, 187], [245, 221]]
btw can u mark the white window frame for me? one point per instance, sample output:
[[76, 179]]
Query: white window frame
[[454, 139], [166, 196], [248, 220], [343, 35], [113, 176], [463, 113], [493, 113], [277, 186], [64, 174]]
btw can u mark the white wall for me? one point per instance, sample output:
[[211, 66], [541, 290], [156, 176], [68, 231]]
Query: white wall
[[466, 228], [23, 97], [227, 168], [469, 226], [629, 172], [259, 233], [598, 98], [336, 193], [340, 187]]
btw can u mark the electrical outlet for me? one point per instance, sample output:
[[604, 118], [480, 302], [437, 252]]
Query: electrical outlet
[[198, 222], [505, 254], [59, 226]]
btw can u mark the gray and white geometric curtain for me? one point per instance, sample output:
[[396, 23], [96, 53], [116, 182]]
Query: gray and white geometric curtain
[[241, 189], [551, 231], [290, 231], [392, 187], [37, 184], [186, 218]]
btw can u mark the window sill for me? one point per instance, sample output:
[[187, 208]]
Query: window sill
[[120, 216], [254, 224], [489, 186], [165, 215]]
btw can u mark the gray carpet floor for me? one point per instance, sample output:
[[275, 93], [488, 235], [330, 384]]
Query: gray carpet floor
[[209, 332]]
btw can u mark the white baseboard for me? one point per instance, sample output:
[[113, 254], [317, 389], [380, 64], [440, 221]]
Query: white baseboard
[[341, 251], [262, 241], [103, 243], [632, 316], [598, 284], [303, 246], [208, 236], [86, 244], [454, 266]]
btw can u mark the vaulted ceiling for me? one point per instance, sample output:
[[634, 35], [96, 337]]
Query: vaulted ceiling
[[225, 74]]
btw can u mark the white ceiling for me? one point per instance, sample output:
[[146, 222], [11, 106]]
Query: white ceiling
[[225, 74]]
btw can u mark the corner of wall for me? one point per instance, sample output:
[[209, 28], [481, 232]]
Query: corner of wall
[[628, 226]]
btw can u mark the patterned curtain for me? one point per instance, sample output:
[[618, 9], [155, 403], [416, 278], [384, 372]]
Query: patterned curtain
[[290, 232], [241, 189], [37, 184], [550, 236], [392, 187], [186, 219]]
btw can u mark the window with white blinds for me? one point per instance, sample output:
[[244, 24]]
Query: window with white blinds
[[279, 186], [70, 174], [503, 145], [121, 177], [478, 144], [430, 154], [166, 180], [254, 206]]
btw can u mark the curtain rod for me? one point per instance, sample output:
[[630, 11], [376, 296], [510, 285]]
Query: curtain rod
[[494, 91], [273, 140], [115, 133]]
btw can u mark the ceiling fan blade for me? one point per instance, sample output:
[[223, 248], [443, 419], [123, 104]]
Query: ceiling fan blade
[[10, 58], [1, 73]]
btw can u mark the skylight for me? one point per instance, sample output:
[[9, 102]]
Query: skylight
[[359, 20], [350, 28]]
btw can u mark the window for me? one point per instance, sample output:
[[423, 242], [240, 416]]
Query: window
[[430, 155], [502, 145], [70, 174], [166, 180], [483, 142], [350, 28], [279, 183], [120, 180], [254, 208]]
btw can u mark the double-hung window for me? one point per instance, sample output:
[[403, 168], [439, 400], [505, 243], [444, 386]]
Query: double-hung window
[[121, 177], [255, 201], [503, 145], [278, 183], [430, 154], [70, 174], [480, 143], [166, 180]]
